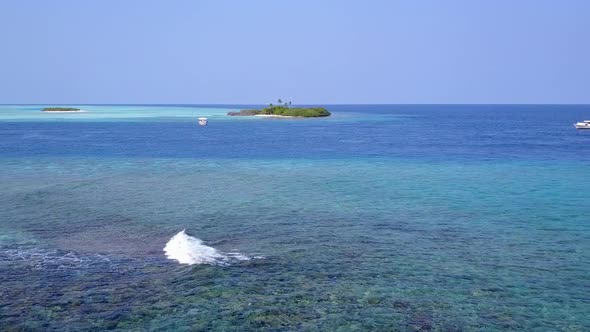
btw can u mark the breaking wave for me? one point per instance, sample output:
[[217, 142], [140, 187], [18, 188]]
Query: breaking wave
[[189, 250]]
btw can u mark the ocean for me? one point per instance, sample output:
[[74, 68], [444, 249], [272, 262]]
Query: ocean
[[380, 217]]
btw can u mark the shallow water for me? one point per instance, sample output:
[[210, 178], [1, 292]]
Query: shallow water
[[378, 218]]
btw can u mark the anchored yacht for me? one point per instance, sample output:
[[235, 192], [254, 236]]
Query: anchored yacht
[[203, 121], [582, 125]]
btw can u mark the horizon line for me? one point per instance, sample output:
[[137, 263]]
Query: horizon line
[[303, 104]]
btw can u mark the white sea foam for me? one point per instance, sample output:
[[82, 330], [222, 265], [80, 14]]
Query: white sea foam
[[46, 259], [189, 250]]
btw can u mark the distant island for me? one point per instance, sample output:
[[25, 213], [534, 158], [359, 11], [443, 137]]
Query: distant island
[[61, 109], [284, 110]]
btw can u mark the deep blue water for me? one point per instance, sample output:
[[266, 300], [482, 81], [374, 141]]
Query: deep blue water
[[445, 133], [381, 217]]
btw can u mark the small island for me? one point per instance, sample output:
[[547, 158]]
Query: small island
[[284, 110], [61, 109]]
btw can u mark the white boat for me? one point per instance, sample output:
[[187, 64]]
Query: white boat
[[582, 125], [203, 121]]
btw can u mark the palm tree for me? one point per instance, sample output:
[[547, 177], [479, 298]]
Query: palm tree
[[280, 101], [289, 103]]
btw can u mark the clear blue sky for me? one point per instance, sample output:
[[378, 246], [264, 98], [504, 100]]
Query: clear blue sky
[[307, 51]]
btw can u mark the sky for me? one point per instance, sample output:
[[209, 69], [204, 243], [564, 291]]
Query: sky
[[305, 51]]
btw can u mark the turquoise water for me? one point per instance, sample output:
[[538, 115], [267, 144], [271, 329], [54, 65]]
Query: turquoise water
[[110, 113], [444, 218]]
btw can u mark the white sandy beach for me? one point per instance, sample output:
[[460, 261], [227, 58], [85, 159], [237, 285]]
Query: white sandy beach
[[80, 111], [274, 116]]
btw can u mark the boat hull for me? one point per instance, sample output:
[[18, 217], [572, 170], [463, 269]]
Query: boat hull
[[582, 126]]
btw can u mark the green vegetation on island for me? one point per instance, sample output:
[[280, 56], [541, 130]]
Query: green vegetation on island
[[284, 109], [60, 109]]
